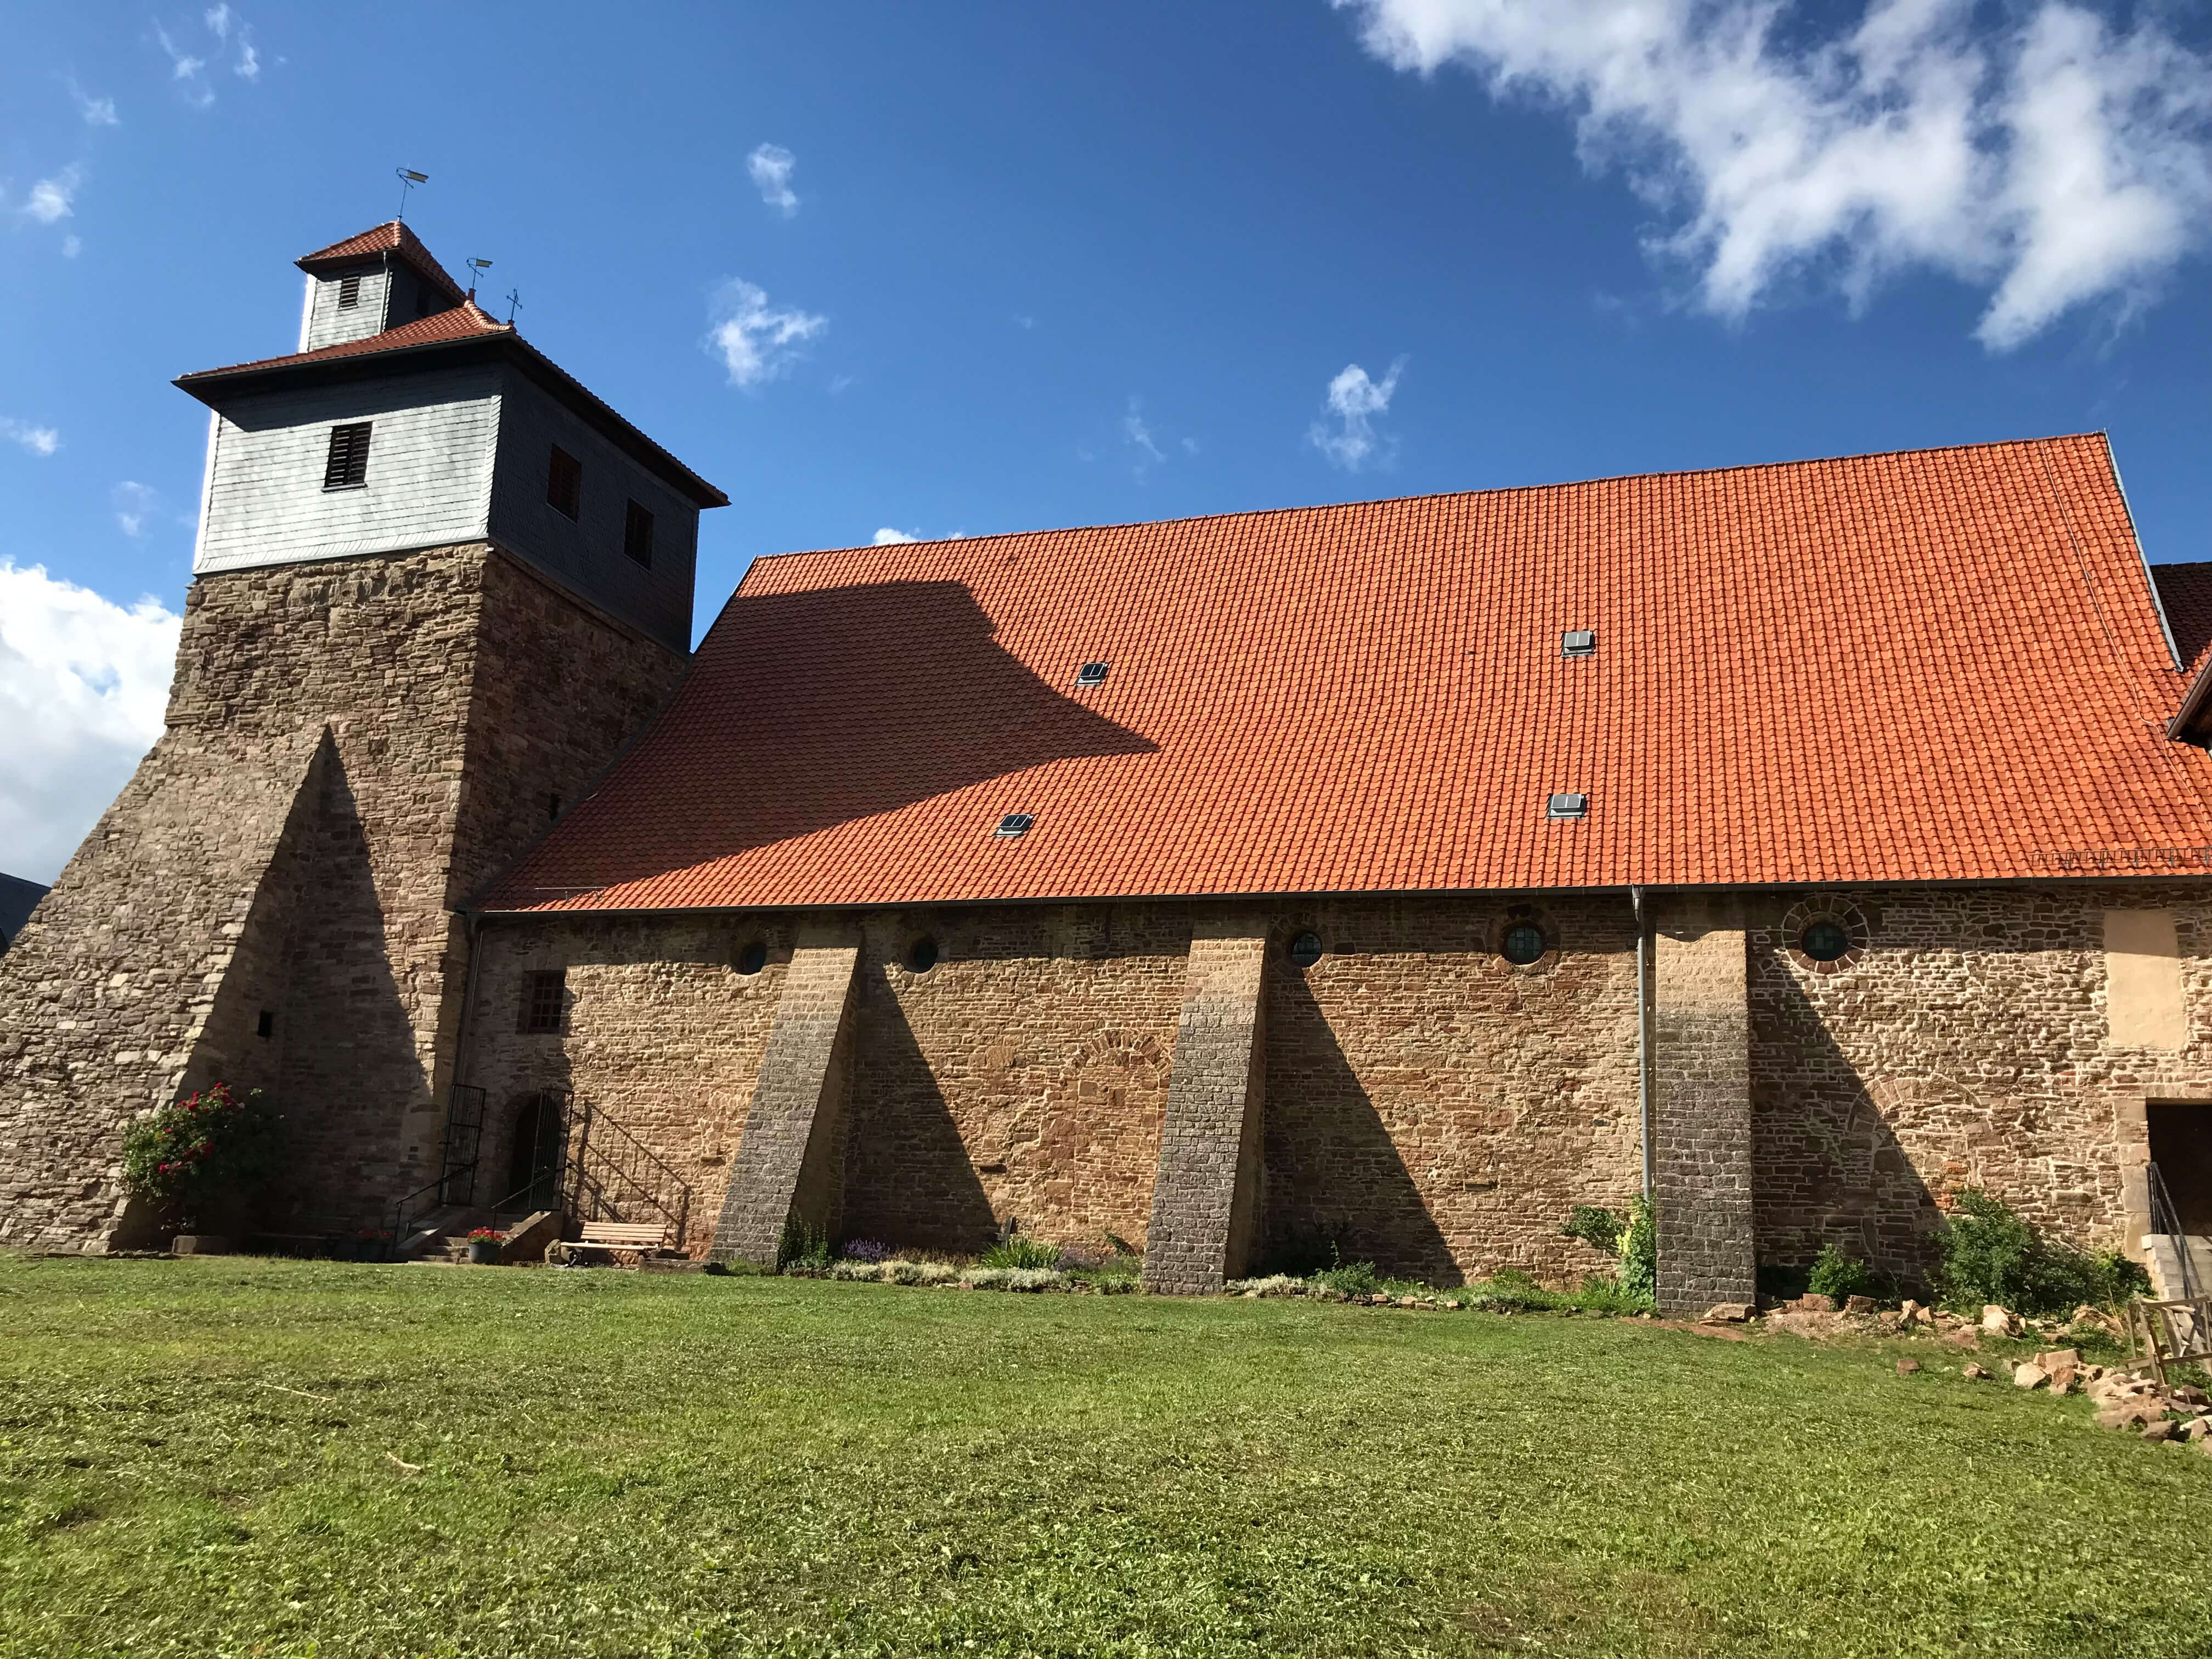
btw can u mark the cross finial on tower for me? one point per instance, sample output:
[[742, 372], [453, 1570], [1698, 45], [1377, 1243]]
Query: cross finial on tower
[[514, 304]]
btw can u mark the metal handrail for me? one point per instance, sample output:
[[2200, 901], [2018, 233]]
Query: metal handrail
[[589, 1175], [434, 1191], [2166, 1218]]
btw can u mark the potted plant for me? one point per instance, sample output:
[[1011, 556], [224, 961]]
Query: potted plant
[[204, 1161], [483, 1246]]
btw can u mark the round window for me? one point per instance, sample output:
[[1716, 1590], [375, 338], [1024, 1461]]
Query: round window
[[1525, 943], [922, 955], [1824, 941], [1305, 950], [752, 958]]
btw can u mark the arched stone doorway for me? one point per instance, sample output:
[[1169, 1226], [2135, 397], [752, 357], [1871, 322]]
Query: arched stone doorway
[[536, 1150]]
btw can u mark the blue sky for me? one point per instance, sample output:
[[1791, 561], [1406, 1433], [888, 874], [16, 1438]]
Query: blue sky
[[1060, 264]]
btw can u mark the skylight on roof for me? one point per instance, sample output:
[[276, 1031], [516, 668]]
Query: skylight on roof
[[1091, 673], [1567, 806], [1015, 824], [1579, 642]]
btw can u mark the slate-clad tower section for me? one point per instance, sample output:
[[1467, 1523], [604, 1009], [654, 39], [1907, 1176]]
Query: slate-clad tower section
[[424, 617]]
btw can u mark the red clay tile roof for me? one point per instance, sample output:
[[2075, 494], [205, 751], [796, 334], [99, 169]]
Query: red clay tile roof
[[466, 321], [2186, 591], [1941, 664], [391, 237]]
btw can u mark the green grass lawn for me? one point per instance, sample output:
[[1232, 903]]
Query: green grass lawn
[[216, 1457]]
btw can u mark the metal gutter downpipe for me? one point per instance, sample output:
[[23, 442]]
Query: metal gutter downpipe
[[1642, 1030]]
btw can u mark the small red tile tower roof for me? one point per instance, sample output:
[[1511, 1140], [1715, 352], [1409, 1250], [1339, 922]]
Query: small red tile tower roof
[[1935, 666], [462, 332], [393, 237]]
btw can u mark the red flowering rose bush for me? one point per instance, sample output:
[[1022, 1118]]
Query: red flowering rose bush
[[486, 1235], [209, 1148]]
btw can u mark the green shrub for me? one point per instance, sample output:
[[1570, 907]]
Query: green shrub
[[803, 1248], [1639, 1274], [1017, 1251], [1598, 1228], [1840, 1274], [1991, 1254], [1350, 1279], [207, 1150]]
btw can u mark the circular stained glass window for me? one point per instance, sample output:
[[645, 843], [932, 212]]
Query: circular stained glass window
[[752, 958], [1824, 941], [922, 955], [1525, 943], [1305, 950]]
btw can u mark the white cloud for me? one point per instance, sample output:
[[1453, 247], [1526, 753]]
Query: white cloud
[[1140, 437], [51, 199], [2055, 157], [186, 70], [218, 21], [134, 504], [38, 440], [96, 111], [756, 341], [82, 685], [71, 246], [1354, 400], [887, 537], [248, 66], [770, 165]]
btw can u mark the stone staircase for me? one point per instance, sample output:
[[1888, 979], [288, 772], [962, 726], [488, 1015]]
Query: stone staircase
[[443, 1236], [2163, 1257]]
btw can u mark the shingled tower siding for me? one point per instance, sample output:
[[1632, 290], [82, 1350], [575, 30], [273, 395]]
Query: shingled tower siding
[[1205, 1197], [1701, 1106], [449, 694], [790, 1161]]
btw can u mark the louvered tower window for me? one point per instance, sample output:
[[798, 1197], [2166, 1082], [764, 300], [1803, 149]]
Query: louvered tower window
[[564, 483], [347, 467], [349, 291], [637, 535]]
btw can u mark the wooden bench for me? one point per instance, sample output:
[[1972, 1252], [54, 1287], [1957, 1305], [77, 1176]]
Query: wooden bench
[[639, 1238]]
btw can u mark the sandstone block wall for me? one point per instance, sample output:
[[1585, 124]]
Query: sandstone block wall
[[791, 1156], [1701, 1135], [1207, 1190], [1438, 1110], [398, 670], [1968, 1042]]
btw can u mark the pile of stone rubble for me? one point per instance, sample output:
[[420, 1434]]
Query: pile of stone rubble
[[2125, 1399]]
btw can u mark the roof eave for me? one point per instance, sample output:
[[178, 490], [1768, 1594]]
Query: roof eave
[[216, 386]]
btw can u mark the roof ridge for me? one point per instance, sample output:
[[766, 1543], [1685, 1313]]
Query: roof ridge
[[1450, 494]]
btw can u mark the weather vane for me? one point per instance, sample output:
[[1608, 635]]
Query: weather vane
[[476, 269], [408, 179]]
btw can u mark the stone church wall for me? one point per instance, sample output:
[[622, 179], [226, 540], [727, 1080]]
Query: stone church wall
[[1427, 1105], [1967, 1044], [349, 747]]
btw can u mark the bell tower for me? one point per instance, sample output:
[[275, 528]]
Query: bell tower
[[438, 586]]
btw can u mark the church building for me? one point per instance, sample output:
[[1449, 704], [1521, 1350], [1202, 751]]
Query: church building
[[1795, 843]]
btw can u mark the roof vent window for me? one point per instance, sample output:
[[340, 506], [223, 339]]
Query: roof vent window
[[1091, 673], [1015, 824], [1567, 806], [1579, 642], [349, 291]]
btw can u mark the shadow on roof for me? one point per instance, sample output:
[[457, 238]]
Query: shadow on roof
[[808, 710]]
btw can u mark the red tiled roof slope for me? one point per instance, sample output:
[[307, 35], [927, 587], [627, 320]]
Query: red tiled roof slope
[[391, 237], [464, 321], [2186, 591], [1932, 665]]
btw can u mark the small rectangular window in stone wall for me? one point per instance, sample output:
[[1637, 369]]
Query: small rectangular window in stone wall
[[346, 466], [544, 993]]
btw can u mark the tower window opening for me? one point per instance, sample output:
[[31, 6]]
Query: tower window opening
[[637, 535], [266, 1025], [349, 291], [751, 957], [544, 991], [564, 483], [552, 808], [1305, 950], [346, 467]]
